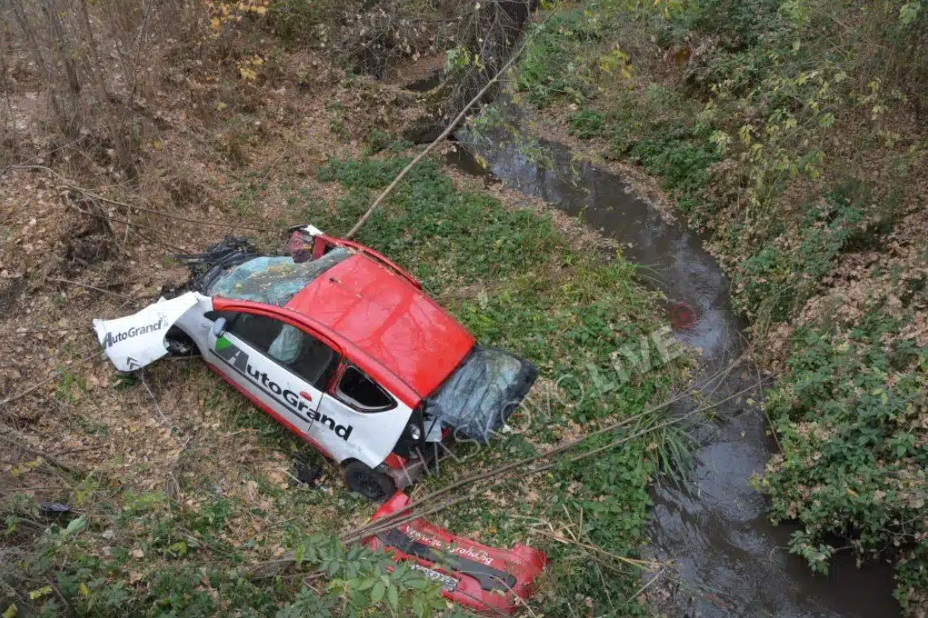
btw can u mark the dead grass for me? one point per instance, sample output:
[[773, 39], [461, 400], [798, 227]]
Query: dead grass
[[228, 151]]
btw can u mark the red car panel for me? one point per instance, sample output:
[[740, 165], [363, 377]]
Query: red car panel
[[484, 578], [388, 319]]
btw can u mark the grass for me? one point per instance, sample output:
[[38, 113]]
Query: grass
[[513, 279]]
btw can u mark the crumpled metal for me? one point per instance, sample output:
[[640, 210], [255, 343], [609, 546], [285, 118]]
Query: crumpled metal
[[478, 398]]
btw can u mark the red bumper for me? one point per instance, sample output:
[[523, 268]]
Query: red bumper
[[478, 576]]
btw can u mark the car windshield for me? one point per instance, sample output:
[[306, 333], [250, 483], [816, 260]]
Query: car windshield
[[273, 280]]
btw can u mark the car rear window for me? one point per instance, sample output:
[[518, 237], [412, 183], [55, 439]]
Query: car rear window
[[273, 280]]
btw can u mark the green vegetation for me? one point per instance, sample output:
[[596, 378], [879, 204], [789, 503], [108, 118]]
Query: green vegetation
[[794, 132], [200, 572], [565, 310], [513, 279]]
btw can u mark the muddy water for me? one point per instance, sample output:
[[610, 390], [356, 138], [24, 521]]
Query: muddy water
[[729, 560]]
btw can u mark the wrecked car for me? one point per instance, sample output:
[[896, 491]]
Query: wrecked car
[[338, 344]]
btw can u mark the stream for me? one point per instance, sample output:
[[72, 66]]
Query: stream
[[729, 559]]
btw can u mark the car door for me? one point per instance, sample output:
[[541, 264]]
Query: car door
[[374, 418], [281, 366]]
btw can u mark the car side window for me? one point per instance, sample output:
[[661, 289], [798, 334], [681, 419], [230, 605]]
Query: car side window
[[288, 346], [258, 330], [362, 393]]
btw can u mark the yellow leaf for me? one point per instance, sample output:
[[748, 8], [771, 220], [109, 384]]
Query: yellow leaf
[[216, 24], [83, 589], [40, 592], [11, 611], [221, 106], [247, 74]]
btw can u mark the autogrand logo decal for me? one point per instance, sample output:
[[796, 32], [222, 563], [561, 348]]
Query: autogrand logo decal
[[237, 359], [112, 339]]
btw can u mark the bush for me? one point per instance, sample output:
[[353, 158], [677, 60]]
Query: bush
[[776, 282], [587, 124], [550, 67], [301, 22], [850, 412]]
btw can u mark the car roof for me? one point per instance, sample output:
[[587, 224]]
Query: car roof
[[388, 319]]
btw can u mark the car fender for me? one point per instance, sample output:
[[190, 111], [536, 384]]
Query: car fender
[[137, 340]]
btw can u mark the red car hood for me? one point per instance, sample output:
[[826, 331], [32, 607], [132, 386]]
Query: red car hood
[[389, 319]]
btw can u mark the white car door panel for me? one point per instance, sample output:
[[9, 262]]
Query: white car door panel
[[246, 352], [284, 392], [371, 433]]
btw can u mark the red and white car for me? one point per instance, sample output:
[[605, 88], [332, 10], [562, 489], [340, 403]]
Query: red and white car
[[341, 346]]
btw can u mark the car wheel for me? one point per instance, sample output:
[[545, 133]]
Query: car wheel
[[371, 484]]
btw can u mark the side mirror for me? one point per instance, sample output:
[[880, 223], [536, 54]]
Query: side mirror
[[219, 327]]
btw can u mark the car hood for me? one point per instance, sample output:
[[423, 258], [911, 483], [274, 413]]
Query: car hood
[[388, 319]]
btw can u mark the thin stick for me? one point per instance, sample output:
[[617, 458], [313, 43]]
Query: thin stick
[[19, 441], [647, 585], [109, 219], [454, 123], [94, 288], [640, 564], [154, 400], [89, 193], [38, 385]]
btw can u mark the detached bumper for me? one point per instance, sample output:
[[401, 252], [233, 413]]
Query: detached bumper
[[483, 578]]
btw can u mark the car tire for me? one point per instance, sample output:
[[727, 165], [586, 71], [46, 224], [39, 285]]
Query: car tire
[[371, 484]]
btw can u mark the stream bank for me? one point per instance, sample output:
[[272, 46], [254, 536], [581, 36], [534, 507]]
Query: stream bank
[[729, 559]]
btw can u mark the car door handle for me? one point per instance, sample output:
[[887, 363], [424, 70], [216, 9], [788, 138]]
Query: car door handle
[[306, 396]]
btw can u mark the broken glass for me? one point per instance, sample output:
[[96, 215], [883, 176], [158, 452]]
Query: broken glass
[[273, 280], [482, 393]]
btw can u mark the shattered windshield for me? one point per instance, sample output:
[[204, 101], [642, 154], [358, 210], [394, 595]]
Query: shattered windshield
[[482, 393], [273, 280]]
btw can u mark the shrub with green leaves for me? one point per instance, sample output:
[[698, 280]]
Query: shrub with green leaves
[[65, 574], [850, 412], [550, 67], [776, 282]]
